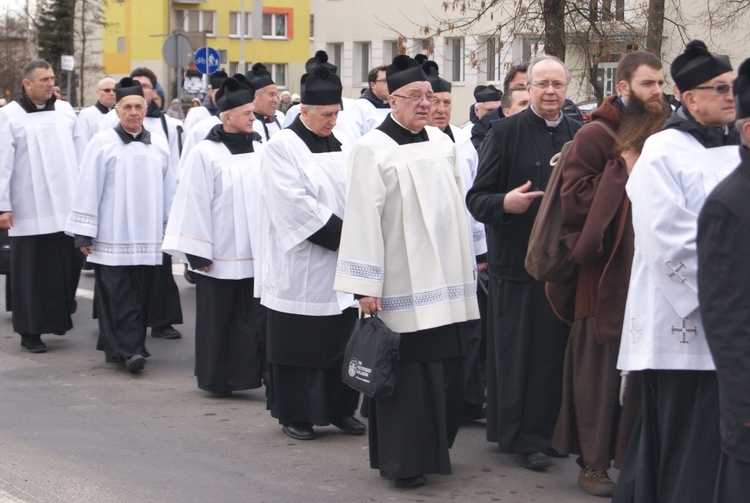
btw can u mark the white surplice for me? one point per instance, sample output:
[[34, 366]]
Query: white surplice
[[122, 199], [361, 118], [197, 134], [173, 136], [468, 160], [667, 189], [299, 193], [214, 210], [194, 116], [406, 238], [38, 167], [87, 125]]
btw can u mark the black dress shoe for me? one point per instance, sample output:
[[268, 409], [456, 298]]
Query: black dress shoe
[[135, 364], [411, 482], [33, 343], [349, 424], [188, 275], [533, 460], [299, 431], [221, 393], [168, 332]]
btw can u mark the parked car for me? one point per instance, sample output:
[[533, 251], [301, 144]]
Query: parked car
[[586, 108], [571, 110]]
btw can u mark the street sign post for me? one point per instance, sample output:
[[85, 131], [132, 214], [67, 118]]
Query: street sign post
[[206, 60], [68, 64], [177, 50]]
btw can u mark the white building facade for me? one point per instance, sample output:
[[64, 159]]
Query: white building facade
[[361, 34]]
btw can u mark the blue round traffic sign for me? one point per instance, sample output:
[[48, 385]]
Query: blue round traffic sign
[[206, 60]]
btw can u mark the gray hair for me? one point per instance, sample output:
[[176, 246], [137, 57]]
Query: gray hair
[[34, 65], [739, 124], [545, 57], [118, 101]]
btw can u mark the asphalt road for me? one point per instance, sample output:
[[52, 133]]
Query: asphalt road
[[76, 429]]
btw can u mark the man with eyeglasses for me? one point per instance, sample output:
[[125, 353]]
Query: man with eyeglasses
[[38, 170], [406, 251], [674, 455], [526, 341], [372, 107], [87, 124]]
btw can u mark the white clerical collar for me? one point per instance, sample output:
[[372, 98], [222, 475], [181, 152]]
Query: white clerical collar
[[40, 107], [410, 130], [134, 135], [554, 123]]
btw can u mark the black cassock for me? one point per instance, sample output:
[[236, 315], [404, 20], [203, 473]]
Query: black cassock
[[122, 295], [525, 342], [229, 335], [44, 276], [723, 276]]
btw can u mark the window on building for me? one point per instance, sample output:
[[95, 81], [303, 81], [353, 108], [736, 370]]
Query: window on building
[[196, 20], [222, 56], [334, 54], [361, 62], [120, 44], [605, 77], [427, 47], [235, 24], [493, 63], [274, 25], [233, 67], [312, 26], [390, 51], [609, 10], [454, 59], [278, 73], [532, 46]]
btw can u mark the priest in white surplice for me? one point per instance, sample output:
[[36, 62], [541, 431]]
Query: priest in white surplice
[[405, 248], [166, 309], [211, 226], [303, 178], [118, 216], [87, 123], [38, 168]]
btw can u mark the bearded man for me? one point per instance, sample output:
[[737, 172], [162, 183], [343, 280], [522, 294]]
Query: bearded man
[[599, 234]]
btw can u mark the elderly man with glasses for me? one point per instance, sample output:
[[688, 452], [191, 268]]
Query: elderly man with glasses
[[406, 251], [525, 342], [87, 124]]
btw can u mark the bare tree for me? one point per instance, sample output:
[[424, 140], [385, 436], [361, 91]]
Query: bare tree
[[14, 52], [89, 23], [597, 31], [655, 30]]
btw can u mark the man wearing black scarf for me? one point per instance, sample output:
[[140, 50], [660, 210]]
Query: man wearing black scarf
[[211, 226], [38, 169]]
